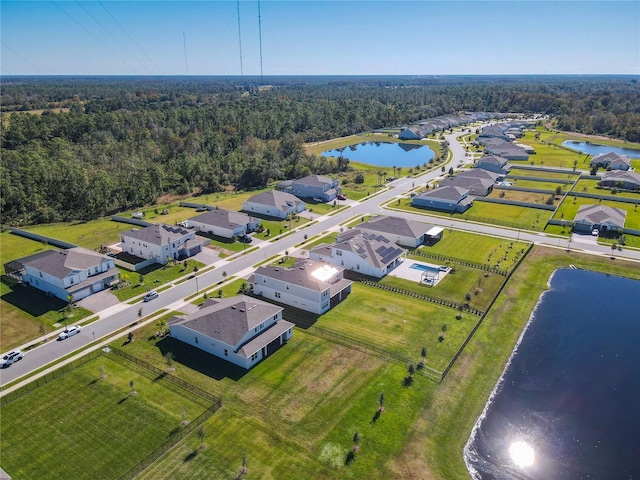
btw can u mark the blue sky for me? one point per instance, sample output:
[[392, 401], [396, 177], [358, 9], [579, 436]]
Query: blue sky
[[319, 38]]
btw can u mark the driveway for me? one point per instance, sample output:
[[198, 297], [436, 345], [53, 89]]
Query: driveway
[[208, 256], [99, 301]]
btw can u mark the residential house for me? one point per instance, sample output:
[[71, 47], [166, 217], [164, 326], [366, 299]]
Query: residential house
[[159, 243], [317, 187], [365, 253], [611, 161], [506, 150], [242, 330], [274, 203], [493, 163], [75, 272], [477, 182], [309, 285], [412, 133], [224, 223], [401, 231], [599, 217], [621, 179], [448, 199]]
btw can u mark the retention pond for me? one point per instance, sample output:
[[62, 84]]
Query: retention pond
[[568, 403]]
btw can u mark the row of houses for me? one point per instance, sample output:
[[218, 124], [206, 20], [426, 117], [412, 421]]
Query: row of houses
[[499, 139], [437, 124]]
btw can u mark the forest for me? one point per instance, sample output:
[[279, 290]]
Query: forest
[[122, 142]]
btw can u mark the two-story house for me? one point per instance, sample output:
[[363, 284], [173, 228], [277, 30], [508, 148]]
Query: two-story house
[[224, 223], [160, 243]]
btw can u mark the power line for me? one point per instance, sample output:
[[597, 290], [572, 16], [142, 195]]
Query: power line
[[36, 69], [239, 37], [130, 37], [95, 38], [111, 35]]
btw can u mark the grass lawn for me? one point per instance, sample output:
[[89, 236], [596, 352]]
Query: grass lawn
[[100, 431], [509, 215], [481, 285], [551, 186], [541, 174], [591, 186], [550, 154], [475, 248], [15, 246], [399, 323], [519, 196], [25, 309], [154, 276], [570, 206]]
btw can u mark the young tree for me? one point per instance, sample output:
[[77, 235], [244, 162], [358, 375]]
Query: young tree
[[132, 390], [381, 402], [201, 434], [169, 356]]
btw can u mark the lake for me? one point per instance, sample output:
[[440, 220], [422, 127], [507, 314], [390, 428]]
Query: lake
[[568, 403], [385, 154], [594, 149]]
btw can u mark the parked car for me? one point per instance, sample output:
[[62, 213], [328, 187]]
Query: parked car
[[150, 296], [595, 232], [202, 209], [245, 239], [342, 196], [10, 358], [69, 332]]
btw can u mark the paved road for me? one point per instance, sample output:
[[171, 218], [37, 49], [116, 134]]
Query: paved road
[[124, 315]]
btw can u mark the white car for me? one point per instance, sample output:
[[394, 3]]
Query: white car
[[10, 358], [150, 296], [70, 332]]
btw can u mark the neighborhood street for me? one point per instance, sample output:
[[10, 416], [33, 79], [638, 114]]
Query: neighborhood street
[[123, 315]]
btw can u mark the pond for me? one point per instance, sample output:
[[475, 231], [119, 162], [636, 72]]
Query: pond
[[385, 154], [594, 149], [566, 405]]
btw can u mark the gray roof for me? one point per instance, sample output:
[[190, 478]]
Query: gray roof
[[160, 234], [228, 319], [599, 214], [299, 274], [265, 338], [621, 176], [611, 157], [493, 159], [315, 180], [223, 218], [281, 200], [479, 173], [468, 182], [448, 192], [396, 225], [60, 263], [376, 250]]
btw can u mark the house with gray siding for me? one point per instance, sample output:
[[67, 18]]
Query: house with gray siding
[[77, 272], [310, 285], [611, 161], [160, 243], [224, 223], [621, 179], [602, 218], [318, 187], [448, 199], [241, 330], [493, 163], [477, 182], [274, 203]]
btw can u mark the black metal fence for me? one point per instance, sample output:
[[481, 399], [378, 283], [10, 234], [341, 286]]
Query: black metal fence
[[464, 263]]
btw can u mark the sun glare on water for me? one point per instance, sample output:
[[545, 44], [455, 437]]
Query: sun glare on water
[[522, 454]]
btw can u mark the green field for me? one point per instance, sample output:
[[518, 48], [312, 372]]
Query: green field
[[98, 430], [508, 215], [586, 185], [551, 186], [521, 172]]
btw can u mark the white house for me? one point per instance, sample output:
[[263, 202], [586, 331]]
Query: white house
[[407, 233], [224, 223], [274, 203], [365, 253], [309, 285], [242, 330], [77, 272], [160, 243]]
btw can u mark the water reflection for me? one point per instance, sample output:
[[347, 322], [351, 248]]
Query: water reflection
[[522, 454]]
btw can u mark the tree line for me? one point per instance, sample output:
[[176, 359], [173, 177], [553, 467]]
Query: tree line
[[122, 142]]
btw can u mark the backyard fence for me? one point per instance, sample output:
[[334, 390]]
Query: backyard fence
[[464, 263], [42, 238], [439, 301], [516, 203], [132, 221]]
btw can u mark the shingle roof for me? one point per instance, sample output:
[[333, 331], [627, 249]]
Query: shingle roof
[[300, 274], [492, 159], [621, 176], [397, 225], [229, 319], [449, 192], [479, 173], [223, 218], [598, 214], [315, 180], [160, 234], [376, 250], [281, 200], [468, 182], [60, 263], [611, 158]]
